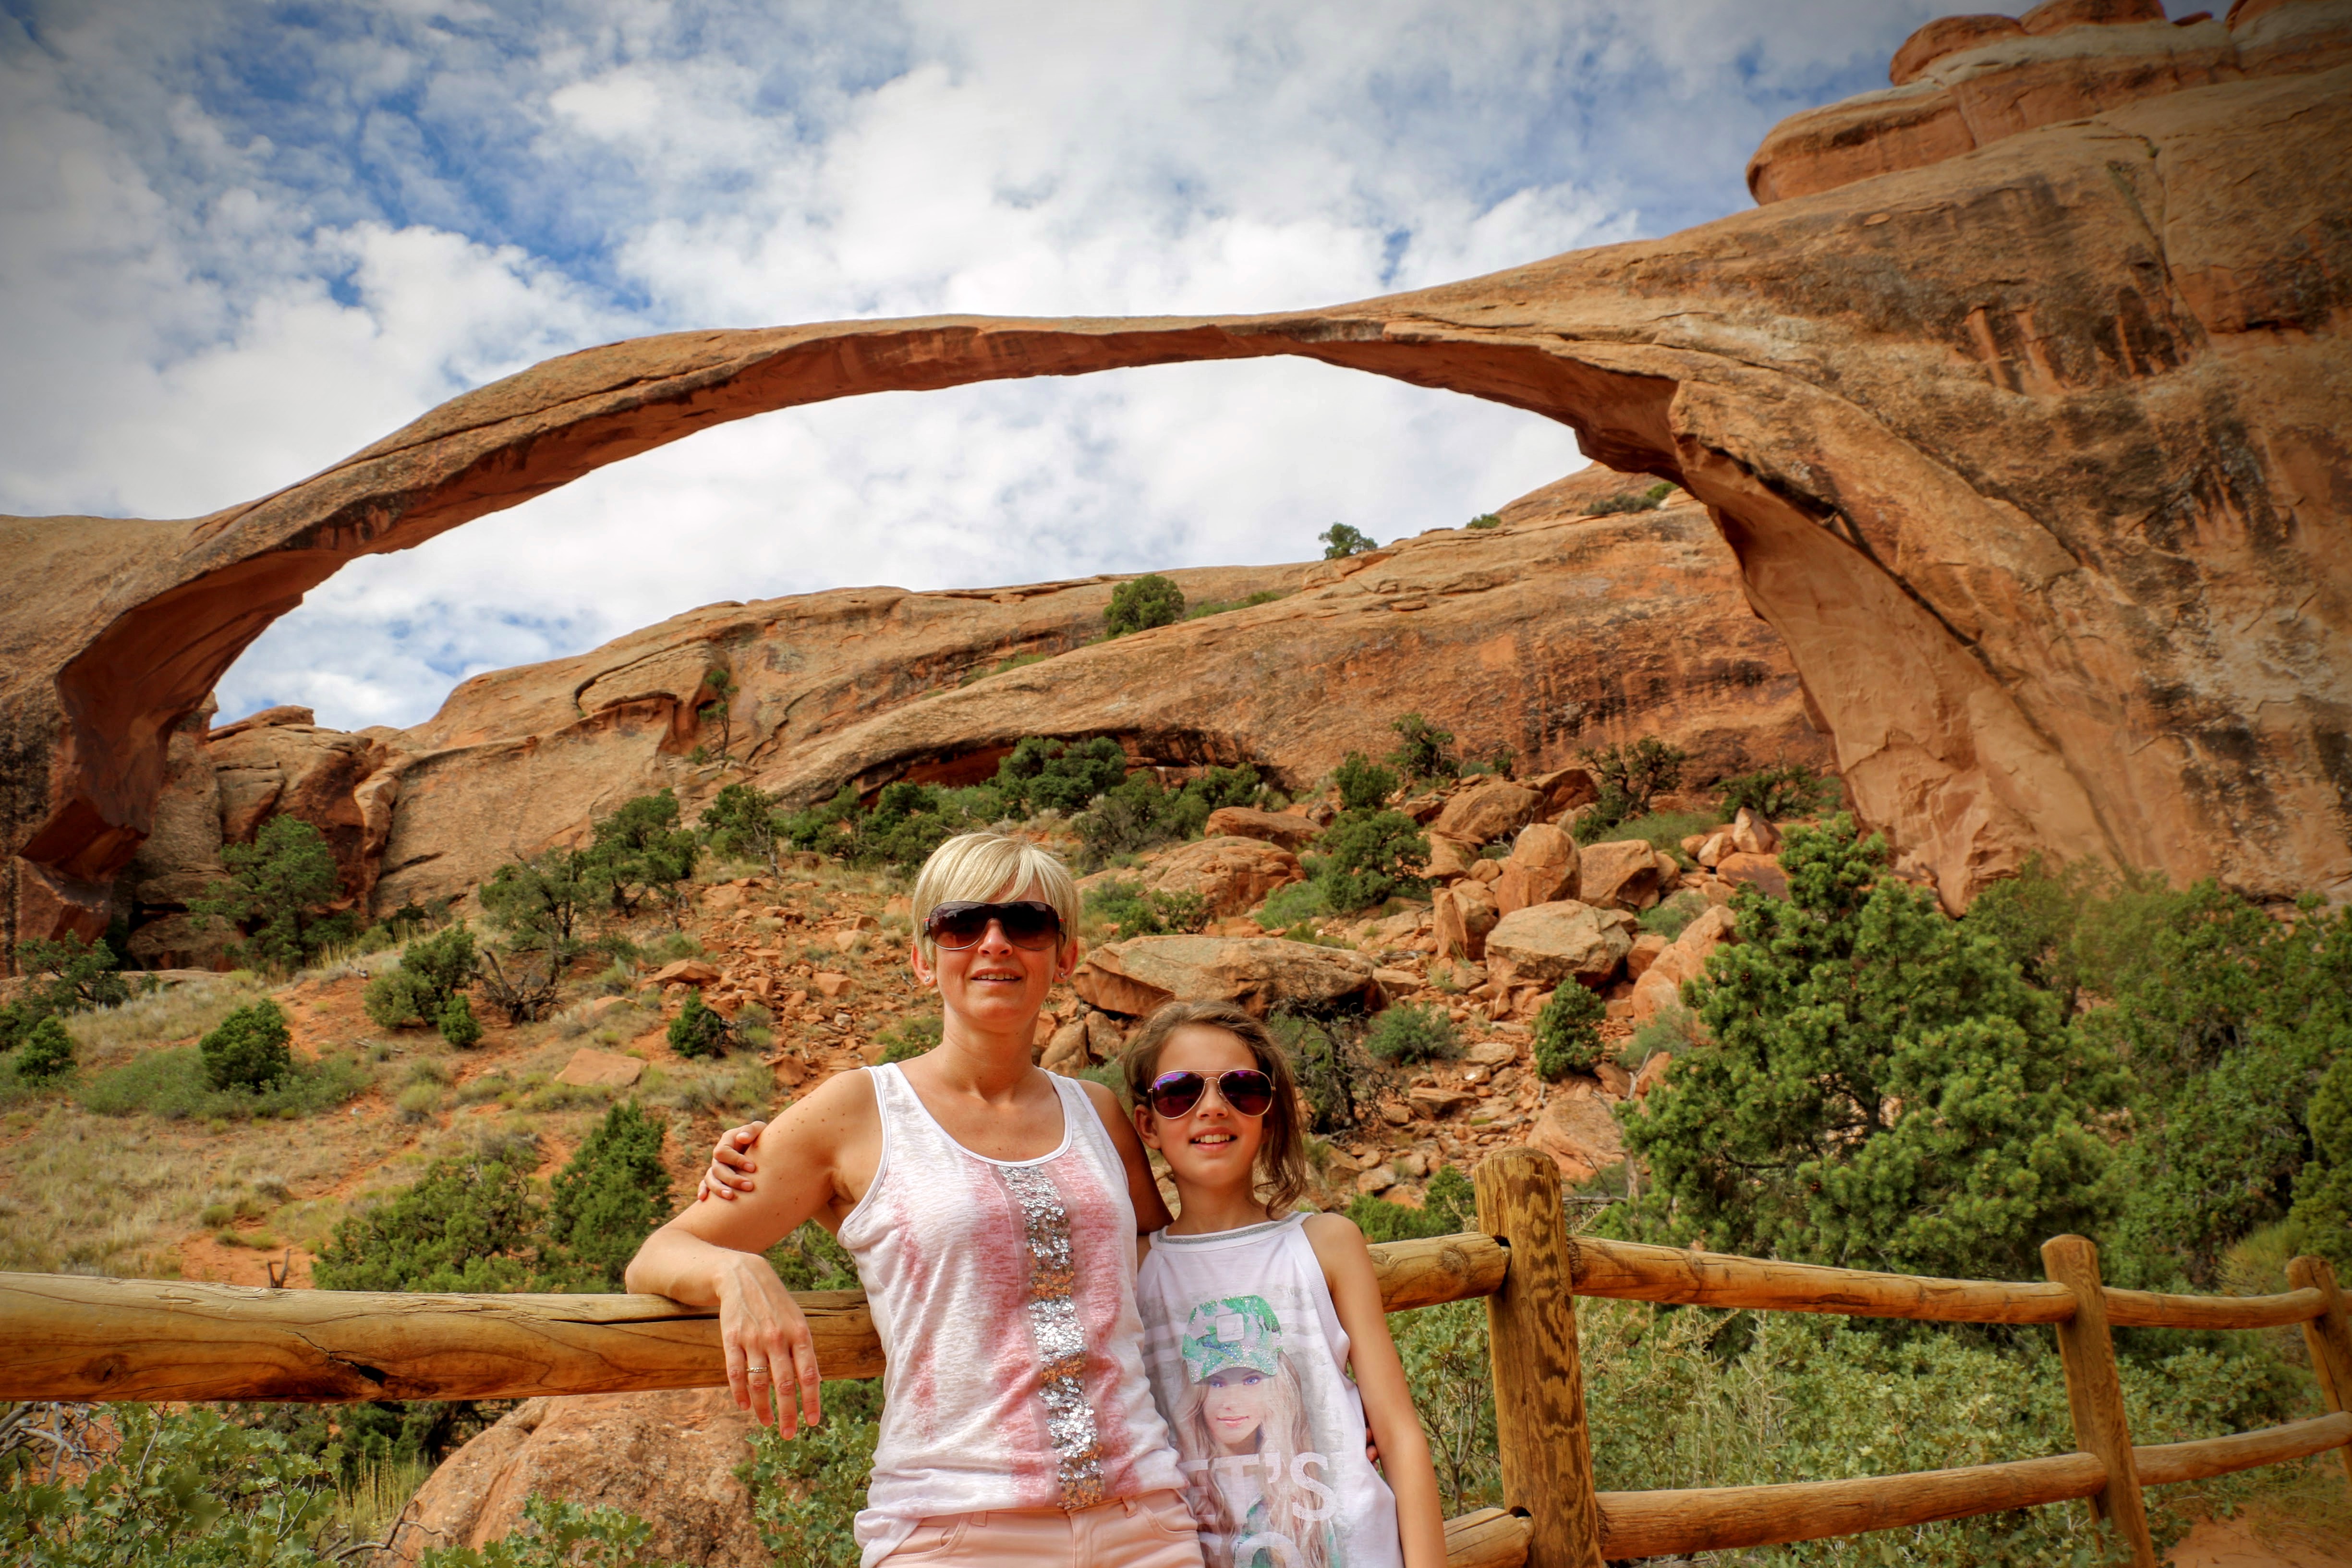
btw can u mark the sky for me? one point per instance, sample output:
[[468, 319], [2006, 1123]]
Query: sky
[[239, 241]]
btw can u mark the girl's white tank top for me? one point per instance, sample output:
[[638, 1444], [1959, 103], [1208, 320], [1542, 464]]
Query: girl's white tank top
[[1247, 1355], [1003, 1292]]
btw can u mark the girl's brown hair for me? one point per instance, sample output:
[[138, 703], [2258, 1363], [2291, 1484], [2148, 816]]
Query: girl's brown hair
[[1282, 1156]]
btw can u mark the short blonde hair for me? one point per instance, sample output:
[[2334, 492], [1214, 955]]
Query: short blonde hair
[[972, 868]]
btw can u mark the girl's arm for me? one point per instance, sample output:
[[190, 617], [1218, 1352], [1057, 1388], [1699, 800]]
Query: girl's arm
[[1150, 1209], [1379, 1378], [710, 1254]]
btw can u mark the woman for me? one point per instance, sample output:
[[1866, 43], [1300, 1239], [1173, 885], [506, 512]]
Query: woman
[[994, 1211]]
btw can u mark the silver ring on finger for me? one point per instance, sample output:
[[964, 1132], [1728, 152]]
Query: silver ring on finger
[[756, 1371]]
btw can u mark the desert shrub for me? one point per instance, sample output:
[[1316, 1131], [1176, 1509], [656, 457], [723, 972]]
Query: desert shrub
[[1785, 789], [611, 1196], [1368, 856], [1142, 602], [698, 1030], [1411, 1032], [1661, 830], [1331, 1070], [47, 1051], [543, 902], [471, 1221], [1294, 905], [1883, 1091], [1219, 606], [458, 1024], [1448, 1369], [417, 1102], [62, 976], [1423, 751], [1021, 660], [1484, 520], [558, 1534], [1139, 813], [1624, 502], [811, 1259], [172, 1086], [432, 971], [1041, 774], [639, 854], [1672, 1027], [248, 1050], [278, 890], [1363, 785], [1567, 1032], [1132, 910], [911, 1037], [807, 1489], [1672, 917], [1449, 1205], [1340, 541], [1629, 776]]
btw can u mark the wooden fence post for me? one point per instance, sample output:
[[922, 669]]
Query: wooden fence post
[[2328, 1337], [1539, 1427], [2095, 1393]]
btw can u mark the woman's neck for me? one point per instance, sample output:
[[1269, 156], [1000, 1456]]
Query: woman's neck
[[981, 1063], [1203, 1211]]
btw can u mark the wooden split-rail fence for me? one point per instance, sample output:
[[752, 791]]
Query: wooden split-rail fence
[[76, 1337]]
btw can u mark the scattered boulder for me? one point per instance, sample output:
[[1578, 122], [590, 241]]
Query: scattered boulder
[[832, 984], [1563, 792], [593, 1069], [1714, 847], [1288, 829], [668, 1457], [1548, 943], [1466, 913], [1484, 812], [1761, 872], [1450, 857], [1752, 834], [1578, 1131], [1621, 874], [1065, 1050], [1442, 1100], [1542, 868], [1644, 953], [1134, 977], [1232, 873], [685, 972], [1660, 982], [1104, 1037], [1486, 869]]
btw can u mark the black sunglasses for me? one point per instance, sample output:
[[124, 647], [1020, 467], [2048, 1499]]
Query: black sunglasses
[[1249, 1091], [1027, 923]]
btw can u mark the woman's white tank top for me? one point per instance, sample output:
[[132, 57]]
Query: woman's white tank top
[[1003, 1292], [1246, 1355]]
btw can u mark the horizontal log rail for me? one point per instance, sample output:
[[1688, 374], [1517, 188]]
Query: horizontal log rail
[[75, 1337]]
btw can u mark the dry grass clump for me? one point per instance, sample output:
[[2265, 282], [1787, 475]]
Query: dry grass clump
[[83, 1194], [168, 1013]]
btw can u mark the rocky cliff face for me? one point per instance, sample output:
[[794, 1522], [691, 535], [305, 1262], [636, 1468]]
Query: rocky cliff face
[[2030, 450], [1553, 632]]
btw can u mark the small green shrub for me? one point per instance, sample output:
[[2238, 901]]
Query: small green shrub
[[697, 1030], [1423, 751], [248, 1050], [1021, 660], [470, 1223], [63, 977], [1629, 776], [1567, 1032], [609, 1198], [1664, 831], [1413, 1032], [1219, 606], [811, 1259], [807, 1489], [1624, 502], [1132, 910], [1369, 855], [558, 1534], [278, 889], [1341, 541], [417, 1102], [1142, 603], [1448, 1206], [1670, 919], [910, 1037], [458, 1024], [172, 1085], [1041, 774], [1294, 905], [1786, 789], [432, 969], [1484, 520], [1330, 1070], [47, 1051], [1363, 785]]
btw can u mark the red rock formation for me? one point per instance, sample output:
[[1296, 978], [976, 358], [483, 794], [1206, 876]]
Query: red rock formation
[[2032, 456]]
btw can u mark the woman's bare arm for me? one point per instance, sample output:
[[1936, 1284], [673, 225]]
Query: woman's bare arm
[[1150, 1209], [1379, 1378], [710, 1254]]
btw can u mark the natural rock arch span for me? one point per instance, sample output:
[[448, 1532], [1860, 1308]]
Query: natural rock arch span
[[2032, 458]]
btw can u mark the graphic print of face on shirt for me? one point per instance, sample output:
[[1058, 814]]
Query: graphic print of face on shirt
[[1243, 1431]]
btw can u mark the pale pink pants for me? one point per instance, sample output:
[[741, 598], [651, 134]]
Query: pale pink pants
[[1154, 1530]]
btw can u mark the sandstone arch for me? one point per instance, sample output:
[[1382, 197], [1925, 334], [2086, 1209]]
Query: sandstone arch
[[2033, 456]]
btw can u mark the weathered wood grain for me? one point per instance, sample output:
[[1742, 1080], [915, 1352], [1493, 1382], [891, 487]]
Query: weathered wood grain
[[2156, 1310], [2326, 1336], [1630, 1270], [73, 1337], [2162, 1464], [1726, 1519], [2094, 1392], [1440, 1269], [1546, 1451], [1489, 1538]]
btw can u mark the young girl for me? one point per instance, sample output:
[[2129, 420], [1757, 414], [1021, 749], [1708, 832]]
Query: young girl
[[1252, 1317]]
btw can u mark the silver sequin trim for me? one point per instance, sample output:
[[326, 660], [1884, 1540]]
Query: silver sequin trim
[[1060, 1338]]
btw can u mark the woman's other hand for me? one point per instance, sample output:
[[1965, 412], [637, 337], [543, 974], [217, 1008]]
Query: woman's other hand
[[768, 1346], [731, 1163]]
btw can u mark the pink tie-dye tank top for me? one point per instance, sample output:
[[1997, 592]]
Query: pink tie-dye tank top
[[1004, 1294]]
